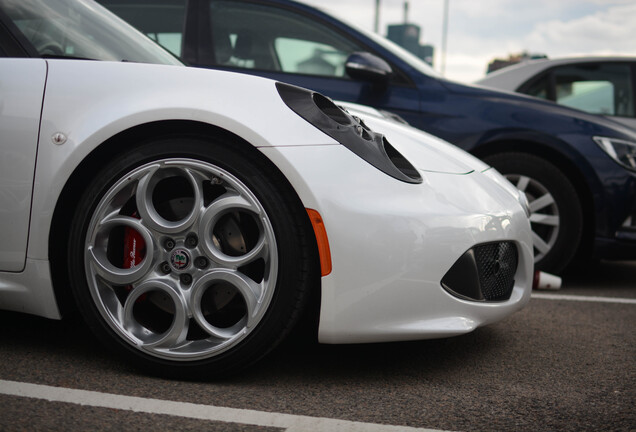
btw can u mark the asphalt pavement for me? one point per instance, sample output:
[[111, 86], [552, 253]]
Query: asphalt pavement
[[565, 362]]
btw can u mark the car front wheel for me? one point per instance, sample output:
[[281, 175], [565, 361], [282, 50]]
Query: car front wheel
[[190, 257]]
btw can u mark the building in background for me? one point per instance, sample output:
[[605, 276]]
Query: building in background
[[512, 59], [408, 37]]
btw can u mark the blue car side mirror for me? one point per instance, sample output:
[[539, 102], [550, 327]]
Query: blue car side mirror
[[368, 67]]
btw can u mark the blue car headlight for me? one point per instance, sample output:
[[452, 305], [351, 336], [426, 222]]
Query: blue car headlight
[[623, 152], [349, 131]]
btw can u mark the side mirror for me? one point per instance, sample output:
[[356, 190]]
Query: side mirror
[[368, 67]]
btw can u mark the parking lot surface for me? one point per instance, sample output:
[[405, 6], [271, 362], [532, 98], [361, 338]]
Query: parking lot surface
[[565, 362]]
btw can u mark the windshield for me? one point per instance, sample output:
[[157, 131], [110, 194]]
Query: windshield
[[81, 29]]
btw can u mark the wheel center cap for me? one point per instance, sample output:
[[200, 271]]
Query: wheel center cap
[[179, 259]]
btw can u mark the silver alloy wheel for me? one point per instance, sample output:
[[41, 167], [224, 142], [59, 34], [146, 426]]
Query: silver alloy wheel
[[181, 259], [544, 213]]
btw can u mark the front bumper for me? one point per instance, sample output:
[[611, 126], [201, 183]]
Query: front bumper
[[393, 242]]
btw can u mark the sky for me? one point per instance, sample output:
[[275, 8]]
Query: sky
[[482, 30]]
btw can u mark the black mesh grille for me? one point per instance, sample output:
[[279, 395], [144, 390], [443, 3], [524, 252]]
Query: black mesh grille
[[496, 266], [483, 273]]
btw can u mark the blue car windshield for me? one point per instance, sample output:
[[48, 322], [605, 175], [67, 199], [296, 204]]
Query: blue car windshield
[[81, 29]]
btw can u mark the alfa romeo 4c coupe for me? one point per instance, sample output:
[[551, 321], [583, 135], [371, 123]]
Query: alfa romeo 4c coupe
[[193, 216]]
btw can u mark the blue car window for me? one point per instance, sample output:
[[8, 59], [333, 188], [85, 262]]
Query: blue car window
[[162, 22], [246, 35]]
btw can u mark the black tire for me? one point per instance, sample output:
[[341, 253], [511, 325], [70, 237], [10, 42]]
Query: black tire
[[555, 246], [244, 242]]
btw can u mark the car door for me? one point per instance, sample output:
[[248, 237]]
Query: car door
[[290, 45], [22, 83]]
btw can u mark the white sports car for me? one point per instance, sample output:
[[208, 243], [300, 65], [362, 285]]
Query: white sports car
[[194, 215]]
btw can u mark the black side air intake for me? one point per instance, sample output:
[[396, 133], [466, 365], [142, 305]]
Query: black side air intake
[[484, 273], [350, 131]]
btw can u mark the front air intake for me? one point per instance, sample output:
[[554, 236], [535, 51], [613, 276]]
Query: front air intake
[[400, 162], [484, 273]]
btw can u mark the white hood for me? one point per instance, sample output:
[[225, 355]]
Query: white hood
[[426, 152]]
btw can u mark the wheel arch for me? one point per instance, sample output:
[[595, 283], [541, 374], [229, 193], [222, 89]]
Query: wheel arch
[[125, 140], [562, 162]]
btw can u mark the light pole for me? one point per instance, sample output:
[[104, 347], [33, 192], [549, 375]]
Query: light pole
[[376, 26], [444, 33]]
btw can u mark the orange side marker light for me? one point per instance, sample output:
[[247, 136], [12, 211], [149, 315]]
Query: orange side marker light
[[322, 241]]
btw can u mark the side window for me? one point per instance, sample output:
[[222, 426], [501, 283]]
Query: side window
[[599, 88], [539, 88], [253, 36], [308, 57], [162, 21]]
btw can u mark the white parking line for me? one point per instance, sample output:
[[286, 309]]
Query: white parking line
[[592, 299], [287, 422]]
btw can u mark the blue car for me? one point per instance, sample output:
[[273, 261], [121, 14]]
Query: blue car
[[578, 170]]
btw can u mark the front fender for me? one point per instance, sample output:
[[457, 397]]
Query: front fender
[[87, 103]]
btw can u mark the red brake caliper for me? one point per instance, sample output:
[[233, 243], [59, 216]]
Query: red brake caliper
[[134, 249]]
